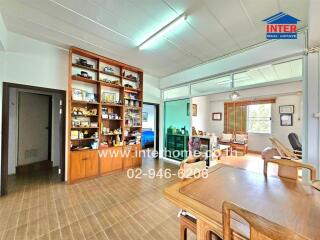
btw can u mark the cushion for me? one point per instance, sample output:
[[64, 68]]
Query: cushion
[[226, 137], [241, 138]]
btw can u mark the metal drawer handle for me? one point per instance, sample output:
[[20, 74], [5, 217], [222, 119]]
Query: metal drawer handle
[[85, 158]]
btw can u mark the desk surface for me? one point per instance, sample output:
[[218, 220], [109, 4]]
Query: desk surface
[[286, 202]]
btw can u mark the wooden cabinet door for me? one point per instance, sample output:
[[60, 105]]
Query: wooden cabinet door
[[91, 160], [105, 164], [117, 159], [77, 166], [136, 156], [127, 157]]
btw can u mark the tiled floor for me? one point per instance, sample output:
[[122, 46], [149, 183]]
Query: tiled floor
[[110, 207]]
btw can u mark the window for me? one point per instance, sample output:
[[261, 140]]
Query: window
[[259, 118], [179, 92]]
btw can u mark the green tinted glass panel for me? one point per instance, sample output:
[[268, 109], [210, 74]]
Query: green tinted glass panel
[[176, 128]]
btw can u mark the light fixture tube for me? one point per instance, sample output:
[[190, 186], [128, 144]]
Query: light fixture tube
[[163, 31]]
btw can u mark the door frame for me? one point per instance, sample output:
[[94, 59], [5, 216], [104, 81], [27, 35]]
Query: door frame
[[5, 129], [157, 119]]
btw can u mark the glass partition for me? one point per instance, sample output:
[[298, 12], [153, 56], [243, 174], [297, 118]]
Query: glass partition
[[211, 86], [176, 128], [178, 92]]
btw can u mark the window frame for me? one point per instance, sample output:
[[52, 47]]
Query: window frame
[[248, 121]]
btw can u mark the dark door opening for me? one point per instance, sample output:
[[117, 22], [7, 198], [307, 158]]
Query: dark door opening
[[150, 126], [33, 136]]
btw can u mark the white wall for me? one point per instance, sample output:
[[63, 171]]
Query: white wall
[[216, 126], [151, 89], [200, 122], [3, 34]]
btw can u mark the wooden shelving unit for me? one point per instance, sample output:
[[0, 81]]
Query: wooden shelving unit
[[109, 95]]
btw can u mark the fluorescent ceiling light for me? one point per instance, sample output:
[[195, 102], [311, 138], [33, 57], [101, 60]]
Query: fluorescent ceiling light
[[177, 21]]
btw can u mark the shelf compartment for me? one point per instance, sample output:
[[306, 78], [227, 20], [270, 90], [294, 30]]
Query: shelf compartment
[[133, 108], [108, 119], [110, 74], [133, 99], [84, 102], [84, 115], [111, 105], [112, 134], [129, 79], [84, 139], [84, 127], [110, 85], [132, 90], [83, 79], [84, 67]]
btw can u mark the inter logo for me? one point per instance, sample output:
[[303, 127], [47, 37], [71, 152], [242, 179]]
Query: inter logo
[[281, 26]]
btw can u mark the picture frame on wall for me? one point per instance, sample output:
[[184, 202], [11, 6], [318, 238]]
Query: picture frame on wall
[[194, 110], [217, 116], [286, 119], [286, 109]]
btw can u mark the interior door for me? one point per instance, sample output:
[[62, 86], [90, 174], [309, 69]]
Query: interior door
[[33, 128]]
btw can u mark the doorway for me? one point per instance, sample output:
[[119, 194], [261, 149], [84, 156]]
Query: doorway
[[33, 136], [34, 119], [150, 126]]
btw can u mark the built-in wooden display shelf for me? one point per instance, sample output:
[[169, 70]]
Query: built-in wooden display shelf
[[84, 127], [84, 160], [111, 85], [110, 74], [83, 79], [85, 102], [84, 139], [133, 90], [111, 105], [84, 67]]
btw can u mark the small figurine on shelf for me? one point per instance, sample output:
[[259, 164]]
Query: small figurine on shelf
[[84, 62]]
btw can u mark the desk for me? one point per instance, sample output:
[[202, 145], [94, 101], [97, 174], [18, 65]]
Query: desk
[[286, 202]]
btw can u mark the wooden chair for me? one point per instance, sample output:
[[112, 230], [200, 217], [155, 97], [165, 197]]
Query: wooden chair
[[260, 228], [291, 164], [187, 222], [284, 151]]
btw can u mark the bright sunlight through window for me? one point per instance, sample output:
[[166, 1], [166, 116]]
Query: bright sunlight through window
[[259, 118]]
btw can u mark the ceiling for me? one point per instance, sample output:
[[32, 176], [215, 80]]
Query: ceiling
[[115, 28]]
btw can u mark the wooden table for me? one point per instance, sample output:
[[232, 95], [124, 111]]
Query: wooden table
[[286, 202]]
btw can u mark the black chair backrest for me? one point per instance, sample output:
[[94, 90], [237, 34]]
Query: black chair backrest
[[294, 141]]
